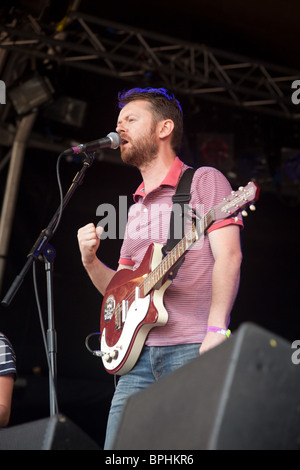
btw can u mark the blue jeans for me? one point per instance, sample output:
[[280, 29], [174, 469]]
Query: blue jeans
[[154, 363]]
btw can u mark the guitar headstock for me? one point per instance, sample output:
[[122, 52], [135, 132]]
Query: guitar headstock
[[237, 201]]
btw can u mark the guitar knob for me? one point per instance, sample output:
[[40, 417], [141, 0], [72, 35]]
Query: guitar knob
[[107, 357], [114, 354], [252, 207]]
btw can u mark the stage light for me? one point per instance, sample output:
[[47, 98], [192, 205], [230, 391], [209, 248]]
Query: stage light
[[67, 110], [31, 94]]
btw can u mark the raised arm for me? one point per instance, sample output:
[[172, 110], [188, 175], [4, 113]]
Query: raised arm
[[89, 241]]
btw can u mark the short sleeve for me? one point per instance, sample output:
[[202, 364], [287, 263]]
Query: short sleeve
[[209, 188]]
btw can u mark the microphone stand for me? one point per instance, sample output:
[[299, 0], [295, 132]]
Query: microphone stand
[[43, 250], [49, 255]]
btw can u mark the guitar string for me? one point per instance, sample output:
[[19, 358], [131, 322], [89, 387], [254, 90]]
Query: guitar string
[[141, 285], [149, 279], [188, 240]]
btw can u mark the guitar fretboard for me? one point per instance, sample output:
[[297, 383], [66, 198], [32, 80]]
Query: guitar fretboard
[[176, 253]]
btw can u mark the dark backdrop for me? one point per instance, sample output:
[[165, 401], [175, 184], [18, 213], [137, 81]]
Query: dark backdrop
[[269, 290]]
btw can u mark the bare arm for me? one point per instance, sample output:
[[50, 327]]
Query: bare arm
[[89, 241], [225, 245], [6, 391]]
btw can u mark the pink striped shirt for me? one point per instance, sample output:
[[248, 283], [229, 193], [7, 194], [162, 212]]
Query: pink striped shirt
[[187, 300]]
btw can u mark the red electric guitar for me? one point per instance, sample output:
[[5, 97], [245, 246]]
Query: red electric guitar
[[133, 302]]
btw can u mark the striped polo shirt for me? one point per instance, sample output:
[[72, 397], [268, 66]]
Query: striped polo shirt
[[7, 356], [187, 300]]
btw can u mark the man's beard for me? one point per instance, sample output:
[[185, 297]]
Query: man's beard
[[142, 152]]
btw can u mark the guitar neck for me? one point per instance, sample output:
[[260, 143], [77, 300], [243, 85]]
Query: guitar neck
[[174, 256]]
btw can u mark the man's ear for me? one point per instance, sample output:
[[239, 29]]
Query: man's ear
[[166, 128]]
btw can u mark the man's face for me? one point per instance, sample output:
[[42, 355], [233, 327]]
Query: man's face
[[139, 142]]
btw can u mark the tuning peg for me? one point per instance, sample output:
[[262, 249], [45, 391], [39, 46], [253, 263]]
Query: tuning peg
[[252, 207], [244, 213], [241, 188]]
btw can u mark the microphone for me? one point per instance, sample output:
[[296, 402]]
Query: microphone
[[112, 140]]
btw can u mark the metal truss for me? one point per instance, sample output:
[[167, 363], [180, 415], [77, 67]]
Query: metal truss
[[120, 51]]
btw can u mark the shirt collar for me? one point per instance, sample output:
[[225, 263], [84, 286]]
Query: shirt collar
[[171, 179]]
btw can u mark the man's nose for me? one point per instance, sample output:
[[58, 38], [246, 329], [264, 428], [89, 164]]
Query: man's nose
[[120, 128]]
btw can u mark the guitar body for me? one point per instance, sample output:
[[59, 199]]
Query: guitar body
[[123, 334]]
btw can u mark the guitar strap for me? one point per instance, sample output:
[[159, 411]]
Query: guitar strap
[[182, 197]]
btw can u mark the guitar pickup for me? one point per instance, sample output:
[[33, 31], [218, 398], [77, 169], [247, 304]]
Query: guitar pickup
[[124, 310]]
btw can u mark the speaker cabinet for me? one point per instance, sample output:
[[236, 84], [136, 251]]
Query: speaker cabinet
[[243, 394], [54, 433]]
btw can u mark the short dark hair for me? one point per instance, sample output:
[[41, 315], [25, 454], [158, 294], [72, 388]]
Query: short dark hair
[[164, 105]]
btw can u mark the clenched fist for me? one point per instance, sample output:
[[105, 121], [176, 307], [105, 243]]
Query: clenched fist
[[89, 241]]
